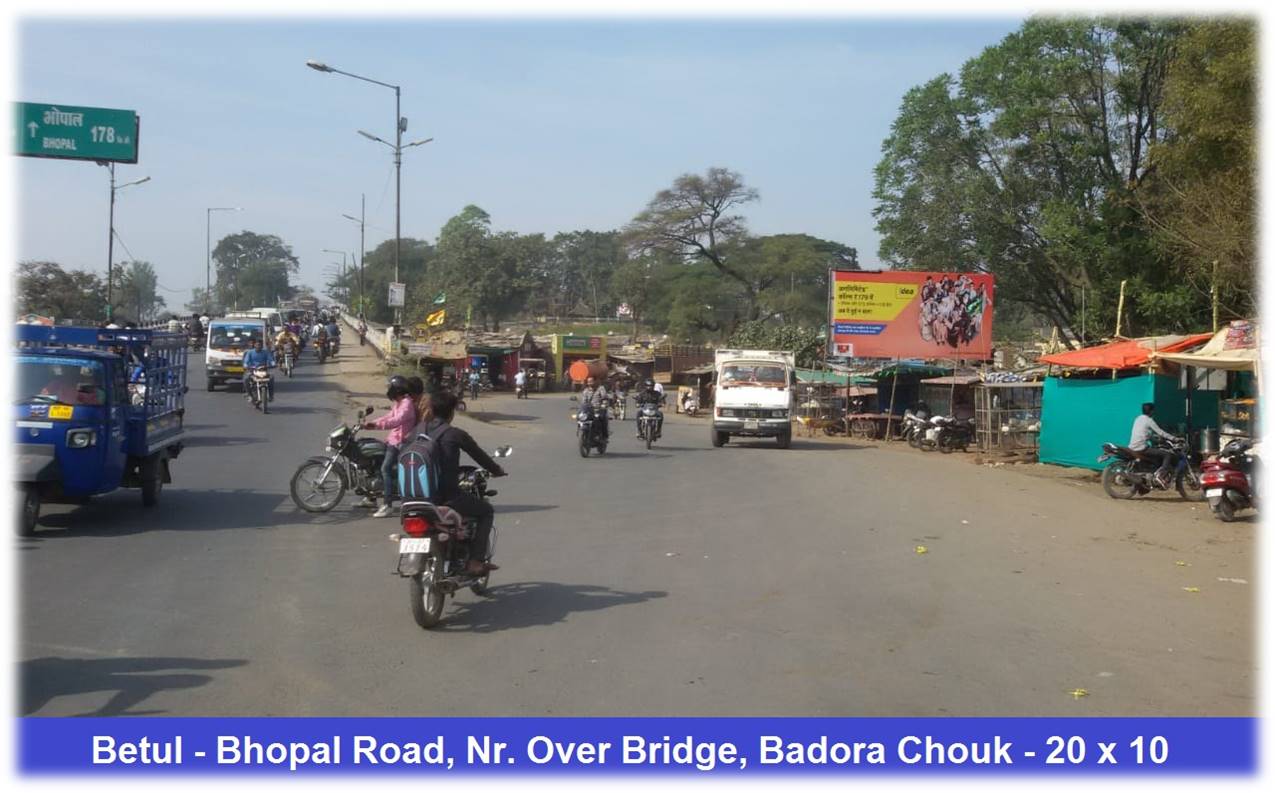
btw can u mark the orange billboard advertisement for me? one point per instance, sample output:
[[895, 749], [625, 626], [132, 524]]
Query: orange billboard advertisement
[[908, 314]]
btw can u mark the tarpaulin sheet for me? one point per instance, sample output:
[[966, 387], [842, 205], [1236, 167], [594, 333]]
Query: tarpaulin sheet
[[1125, 354]]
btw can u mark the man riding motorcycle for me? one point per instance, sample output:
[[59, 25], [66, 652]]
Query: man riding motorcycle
[[649, 394], [1144, 427], [258, 356], [283, 339], [452, 441], [595, 394]]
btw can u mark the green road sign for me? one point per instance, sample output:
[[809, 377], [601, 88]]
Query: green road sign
[[75, 133]]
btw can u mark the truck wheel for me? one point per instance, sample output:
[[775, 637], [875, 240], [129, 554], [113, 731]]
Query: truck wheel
[[28, 510], [211, 384], [152, 476], [784, 439], [719, 439]]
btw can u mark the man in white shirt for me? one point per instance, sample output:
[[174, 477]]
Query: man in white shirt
[[1144, 427], [520, 379]]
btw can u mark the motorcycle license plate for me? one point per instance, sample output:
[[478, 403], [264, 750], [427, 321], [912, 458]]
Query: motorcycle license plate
[[1214, 493], [234, 369], [750, 424], [413, 545]]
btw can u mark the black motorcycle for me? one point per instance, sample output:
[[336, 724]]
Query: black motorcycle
[[352, 463], [648, 422], [1130, 473], [953, 434], [433, 548], [589, 430]]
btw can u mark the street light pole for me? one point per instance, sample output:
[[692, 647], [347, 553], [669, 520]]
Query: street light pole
[[110, 241], [208, 251], [361, 220], [330, 250], [400, 124]]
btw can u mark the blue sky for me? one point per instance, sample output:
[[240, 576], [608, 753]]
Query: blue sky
[[550, 125]]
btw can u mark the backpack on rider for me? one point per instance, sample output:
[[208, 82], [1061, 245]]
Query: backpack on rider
[[419, 466]]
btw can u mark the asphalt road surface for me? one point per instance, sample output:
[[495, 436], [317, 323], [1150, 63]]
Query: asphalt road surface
[[682, 581]]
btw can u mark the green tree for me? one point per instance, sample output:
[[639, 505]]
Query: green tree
[[1028, 167], [1201, 202], [47, 289], [136, 291], [806, 343], [483, 273], [253, 270]]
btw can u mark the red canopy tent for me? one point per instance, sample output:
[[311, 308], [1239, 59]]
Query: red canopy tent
[[1125, 353]]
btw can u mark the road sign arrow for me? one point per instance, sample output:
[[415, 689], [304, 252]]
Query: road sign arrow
[[33, 127]]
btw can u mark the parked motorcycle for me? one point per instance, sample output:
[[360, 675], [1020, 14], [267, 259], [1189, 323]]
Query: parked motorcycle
[[915, 426], [953, 434], [589, 430], [1132, 474], [1230, 479], [352, 463], [433, 548], [257, 388], [648, 422]]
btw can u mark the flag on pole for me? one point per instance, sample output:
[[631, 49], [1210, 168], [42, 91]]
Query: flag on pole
[[440, 298], [436, 318]]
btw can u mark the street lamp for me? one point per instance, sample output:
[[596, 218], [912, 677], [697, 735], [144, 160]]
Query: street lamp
[[330, 250], [362, 248], [400, 125], [208, 251], [110, 239]]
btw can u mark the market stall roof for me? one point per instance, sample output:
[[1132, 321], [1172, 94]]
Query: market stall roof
[[707, 368], [1234, 347], [822, 376], [1125, 353], [906, 368], [859, 391], [956, 379]]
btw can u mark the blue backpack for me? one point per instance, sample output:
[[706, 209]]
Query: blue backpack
[[419, 465]]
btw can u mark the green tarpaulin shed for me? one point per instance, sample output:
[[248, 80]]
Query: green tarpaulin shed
[[1078, 415]]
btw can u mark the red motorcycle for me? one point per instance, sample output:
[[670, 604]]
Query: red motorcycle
[[1229, 479]]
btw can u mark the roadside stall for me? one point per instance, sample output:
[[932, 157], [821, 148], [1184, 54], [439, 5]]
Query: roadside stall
[[1234, 352], [1098, 391], [568, 349], [950, 395], [1007, 415], [820, 400]]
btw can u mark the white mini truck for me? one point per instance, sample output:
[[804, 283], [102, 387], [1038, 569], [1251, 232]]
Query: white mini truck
[[754, 395]]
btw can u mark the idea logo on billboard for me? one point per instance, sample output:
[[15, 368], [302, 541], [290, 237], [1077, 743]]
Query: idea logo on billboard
[[907, 314]]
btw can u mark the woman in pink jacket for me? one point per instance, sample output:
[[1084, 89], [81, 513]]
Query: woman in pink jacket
[[399, 421]]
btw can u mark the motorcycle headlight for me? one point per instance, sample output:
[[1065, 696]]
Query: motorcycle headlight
[[81, 438]]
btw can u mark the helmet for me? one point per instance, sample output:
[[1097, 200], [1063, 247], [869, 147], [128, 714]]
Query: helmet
[[648, 383], [397, 387]]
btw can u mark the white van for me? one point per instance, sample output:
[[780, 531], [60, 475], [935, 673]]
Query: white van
[[228, 339], [273, 316], [753, 397]]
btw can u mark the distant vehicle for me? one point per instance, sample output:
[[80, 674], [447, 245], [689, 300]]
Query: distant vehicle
[[97, 409], [754, 395], [228, 339]]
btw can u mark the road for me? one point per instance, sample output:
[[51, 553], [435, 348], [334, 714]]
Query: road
[[681, 581]]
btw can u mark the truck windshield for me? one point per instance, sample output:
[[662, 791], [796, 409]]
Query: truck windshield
[[234, 335], [741, 373], [60, 380]]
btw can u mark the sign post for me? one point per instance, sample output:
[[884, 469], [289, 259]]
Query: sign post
[[67, 132], [398, 295]]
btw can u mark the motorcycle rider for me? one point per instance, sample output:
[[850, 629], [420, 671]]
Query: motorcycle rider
[[1144, 427], [474, 380], [649, 394], [283, 339], [452, 441], [400, 419], [362, 330], [258, 356], [520, 381], [595, 395], [334, 333]]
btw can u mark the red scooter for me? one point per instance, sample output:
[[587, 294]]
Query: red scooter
[[1229, 479]]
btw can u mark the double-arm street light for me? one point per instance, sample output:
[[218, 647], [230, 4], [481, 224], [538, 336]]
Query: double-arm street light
[[400, 126], [110, 241], [208, 251], [362, 250]]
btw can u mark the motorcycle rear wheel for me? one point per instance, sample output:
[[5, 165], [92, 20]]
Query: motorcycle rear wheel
[[306, 480], [1224, 510], [427, 598], [1189, 485], [1117, 481]]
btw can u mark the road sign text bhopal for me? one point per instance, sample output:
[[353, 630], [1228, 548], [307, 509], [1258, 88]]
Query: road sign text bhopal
[[75, 133]]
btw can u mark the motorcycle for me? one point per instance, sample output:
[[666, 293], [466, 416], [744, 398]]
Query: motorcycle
[[433, 548], [618, 406], [321, 349], [1230, 479], [362, 335], [289, 360], [915, 426], [257, 388], [690, 404], [520, 391], [648, 421], [351, 463], [588, 429], [953, 434], [334, 346], [1132, 474]]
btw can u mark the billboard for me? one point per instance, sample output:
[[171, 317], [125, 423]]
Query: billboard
[[908, 314]]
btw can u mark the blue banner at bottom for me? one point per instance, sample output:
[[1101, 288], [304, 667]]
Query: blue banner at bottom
[[712, 746]]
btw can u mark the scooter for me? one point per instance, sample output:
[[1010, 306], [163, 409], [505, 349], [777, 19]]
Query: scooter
[[1230, 479]]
